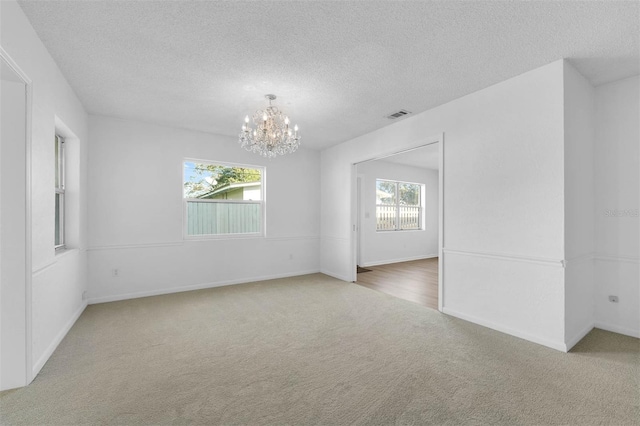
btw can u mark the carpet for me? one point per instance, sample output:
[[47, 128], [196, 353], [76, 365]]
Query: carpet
[[314, 350]]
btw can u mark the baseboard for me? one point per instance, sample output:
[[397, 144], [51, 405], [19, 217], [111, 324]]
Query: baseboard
[[575, 339], [136, 295], [560, 346], [52, 347], [618, 329], [404, 259]]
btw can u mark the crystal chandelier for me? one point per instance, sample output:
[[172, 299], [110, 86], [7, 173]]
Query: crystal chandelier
[[271, 135]]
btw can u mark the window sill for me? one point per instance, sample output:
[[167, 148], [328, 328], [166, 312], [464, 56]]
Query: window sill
[[191, 238], [63, 251], [400, 230]]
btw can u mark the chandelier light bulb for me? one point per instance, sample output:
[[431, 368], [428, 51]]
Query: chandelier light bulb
[[246, 119], [286, 121]]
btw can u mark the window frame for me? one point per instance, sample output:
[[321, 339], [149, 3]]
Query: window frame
[[59, 185], [421, 206], [262, 202]]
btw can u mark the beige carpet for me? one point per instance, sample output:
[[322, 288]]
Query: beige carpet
[[314, 350]]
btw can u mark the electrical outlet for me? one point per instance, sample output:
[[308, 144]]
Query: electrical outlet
[[115, 273], [613, 299]]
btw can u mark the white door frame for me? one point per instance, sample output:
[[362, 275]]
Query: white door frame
[[354, 209], [359, 179], [4, 56]]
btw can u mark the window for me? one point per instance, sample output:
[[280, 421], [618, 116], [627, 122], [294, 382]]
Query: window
[[223, 199], [399, 205], [59, 191]]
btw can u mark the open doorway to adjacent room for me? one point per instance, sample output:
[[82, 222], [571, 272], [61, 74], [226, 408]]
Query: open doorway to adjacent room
[[398, 211]]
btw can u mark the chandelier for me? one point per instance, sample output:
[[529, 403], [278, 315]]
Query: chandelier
[[271, 135]]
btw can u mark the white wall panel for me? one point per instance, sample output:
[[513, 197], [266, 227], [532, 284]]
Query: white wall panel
[[579, 110], [136, 213], [617, 225], [503, 194], [518, 297], [13, 260], [58, 285]]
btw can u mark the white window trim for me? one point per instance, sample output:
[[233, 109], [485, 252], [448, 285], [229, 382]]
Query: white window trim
[[422, 207], [60, 190], [261, 234]]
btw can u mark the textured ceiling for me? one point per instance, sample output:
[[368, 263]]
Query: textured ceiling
[[338, 68]]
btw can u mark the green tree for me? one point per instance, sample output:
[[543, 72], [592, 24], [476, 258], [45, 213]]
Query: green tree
[[407, 193], [386, 191]]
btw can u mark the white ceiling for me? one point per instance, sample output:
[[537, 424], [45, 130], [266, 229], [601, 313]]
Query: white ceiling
[[338, 68]]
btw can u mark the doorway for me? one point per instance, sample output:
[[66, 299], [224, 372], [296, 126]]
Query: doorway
[[15, 226], [398, 224]]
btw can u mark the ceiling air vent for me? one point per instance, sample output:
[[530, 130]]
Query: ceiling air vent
[[398, 114]]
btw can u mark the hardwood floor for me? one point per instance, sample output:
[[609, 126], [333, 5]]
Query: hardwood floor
[[416, 281]]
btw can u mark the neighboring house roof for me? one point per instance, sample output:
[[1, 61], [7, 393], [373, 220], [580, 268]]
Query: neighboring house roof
[[228, 187]]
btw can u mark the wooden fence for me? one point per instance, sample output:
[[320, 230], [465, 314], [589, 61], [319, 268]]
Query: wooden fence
[[214, 218], [387, 215]]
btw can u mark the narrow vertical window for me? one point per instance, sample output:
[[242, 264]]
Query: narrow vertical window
[[59, 193]]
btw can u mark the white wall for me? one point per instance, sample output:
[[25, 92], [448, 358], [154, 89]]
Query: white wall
[[136, 208], [378, 248], [503, 202], [13, 355], [58, 281], [579, 110], [617, 178]]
